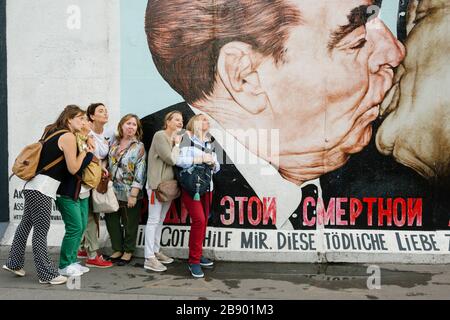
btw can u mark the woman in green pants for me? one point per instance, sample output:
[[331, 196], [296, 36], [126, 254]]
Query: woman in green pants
[[128, 172], [74, 211]]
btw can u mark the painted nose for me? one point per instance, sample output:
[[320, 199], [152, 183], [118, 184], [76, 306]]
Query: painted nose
[[387, 50]]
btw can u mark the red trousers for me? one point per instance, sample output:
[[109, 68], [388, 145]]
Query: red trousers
[[199, 212]]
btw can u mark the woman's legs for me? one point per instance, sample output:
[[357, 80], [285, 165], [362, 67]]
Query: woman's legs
[[164, 210], [84, 207], [74, 217], [115, 229], [16, 258], [41, 207], [206, 202], [90, 242], [198, 227], [130, 220], [156, 215]]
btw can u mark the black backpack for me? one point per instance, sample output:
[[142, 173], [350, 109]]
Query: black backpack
[[196, 180]]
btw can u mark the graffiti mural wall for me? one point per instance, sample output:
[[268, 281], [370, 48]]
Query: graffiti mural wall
[[331, 118], [333, 133]]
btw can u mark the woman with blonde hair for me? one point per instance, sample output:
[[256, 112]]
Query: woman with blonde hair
[[197, 149], [127, 169], [162, 156]]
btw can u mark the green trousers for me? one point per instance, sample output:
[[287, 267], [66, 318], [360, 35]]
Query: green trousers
[[89, 241], [74, 214], [123, 227]]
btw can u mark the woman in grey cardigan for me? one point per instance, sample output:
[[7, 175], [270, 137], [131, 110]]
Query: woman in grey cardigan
[[162, 156]]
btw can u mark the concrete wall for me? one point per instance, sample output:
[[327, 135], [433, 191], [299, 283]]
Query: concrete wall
[[59, 52], [50, 65]]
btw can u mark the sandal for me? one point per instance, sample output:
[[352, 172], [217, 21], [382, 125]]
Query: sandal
[[122, 262], [113, 259]]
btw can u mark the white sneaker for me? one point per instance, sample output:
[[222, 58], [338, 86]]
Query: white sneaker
[[70, 271], [57, 280], [83, 269], [163, 258], [20, 272], [154, 265]]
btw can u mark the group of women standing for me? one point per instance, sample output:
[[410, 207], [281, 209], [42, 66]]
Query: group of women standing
[[123, 159]]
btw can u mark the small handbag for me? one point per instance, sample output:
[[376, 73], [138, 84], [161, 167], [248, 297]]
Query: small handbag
[[167, 191], [92, 174], [103, 185], [105, 202]]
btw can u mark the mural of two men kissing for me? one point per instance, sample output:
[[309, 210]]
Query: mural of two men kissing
[[318, 116]]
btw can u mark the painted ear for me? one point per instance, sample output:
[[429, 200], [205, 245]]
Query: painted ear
[[236, 68]]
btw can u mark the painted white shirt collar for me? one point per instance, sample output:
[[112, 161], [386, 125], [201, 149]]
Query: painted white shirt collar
[[265, 180]]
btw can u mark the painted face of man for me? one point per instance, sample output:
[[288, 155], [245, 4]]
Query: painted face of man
[[416, 130], [337, 69]]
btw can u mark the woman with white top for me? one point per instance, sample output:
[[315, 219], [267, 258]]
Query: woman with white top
[[98, 116], [39, 192]]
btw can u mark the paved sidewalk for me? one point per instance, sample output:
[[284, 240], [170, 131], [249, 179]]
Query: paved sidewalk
[[231, 280]]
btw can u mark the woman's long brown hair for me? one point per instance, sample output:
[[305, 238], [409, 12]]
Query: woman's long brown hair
[[62, 122]]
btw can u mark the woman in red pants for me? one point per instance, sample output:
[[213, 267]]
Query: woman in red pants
[[196, 148]]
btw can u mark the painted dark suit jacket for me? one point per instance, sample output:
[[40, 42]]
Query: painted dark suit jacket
[[367, 174]]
